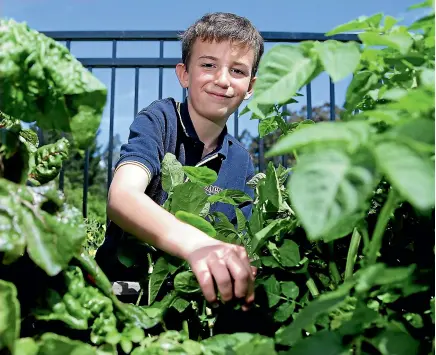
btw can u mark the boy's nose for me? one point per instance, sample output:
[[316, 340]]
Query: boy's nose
[[222, 79]]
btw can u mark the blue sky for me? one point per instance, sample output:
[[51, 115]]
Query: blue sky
[[271, 15]]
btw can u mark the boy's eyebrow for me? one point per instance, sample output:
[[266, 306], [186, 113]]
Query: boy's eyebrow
[[215, 59]]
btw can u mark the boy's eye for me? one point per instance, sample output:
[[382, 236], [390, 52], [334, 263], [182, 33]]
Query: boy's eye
[[207, 65], [239, 72]]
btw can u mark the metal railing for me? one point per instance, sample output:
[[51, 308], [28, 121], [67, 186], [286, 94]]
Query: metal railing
[[162, 37]]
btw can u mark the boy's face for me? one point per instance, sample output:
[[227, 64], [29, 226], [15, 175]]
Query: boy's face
[[218, 78]]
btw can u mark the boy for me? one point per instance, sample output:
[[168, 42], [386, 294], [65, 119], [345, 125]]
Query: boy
[[220, 55]]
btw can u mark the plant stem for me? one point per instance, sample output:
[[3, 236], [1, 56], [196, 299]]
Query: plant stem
[[382, 222], [311, 286], [352, 254], [141, 293], [333, 268], [294, 152], [185, 326]]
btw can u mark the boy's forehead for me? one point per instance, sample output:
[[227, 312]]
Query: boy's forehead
[[237, 51]]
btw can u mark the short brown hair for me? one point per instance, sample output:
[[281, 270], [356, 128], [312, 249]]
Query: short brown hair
[[222, 26]]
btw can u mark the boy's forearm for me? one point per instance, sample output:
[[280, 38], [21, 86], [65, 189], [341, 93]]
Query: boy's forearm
[[139, 215]]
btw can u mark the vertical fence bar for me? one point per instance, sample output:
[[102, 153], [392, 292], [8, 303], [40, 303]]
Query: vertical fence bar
[[85, 185], [261, 155], [161, 54], [332, 100], [135, 102], [236, 123], [111, 117], [62, 172], [309, 101], [85, 180], [284, 156]]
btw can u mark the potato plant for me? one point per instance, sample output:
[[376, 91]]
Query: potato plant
[[343, 240]]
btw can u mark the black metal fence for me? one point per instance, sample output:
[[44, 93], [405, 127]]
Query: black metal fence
[[162, 37]]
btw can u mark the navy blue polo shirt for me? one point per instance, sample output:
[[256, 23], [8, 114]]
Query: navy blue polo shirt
[[164, 127]]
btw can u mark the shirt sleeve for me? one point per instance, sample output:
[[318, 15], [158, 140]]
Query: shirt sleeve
[[145, 146]]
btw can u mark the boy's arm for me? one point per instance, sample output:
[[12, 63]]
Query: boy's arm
[[136, 213]]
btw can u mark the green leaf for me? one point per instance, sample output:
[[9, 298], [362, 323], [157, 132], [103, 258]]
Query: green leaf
[[225, 229], [401, 41], [157, 278], [52, 240], [282, 72], [267, 126], [200, 174], [349, 134], [255, 223], [272, 288], [379, 274], [10, 320], [329, 187], [144, 317], [259, 345], [232, 197], [361, 23], [197, 222], [239, 344], [360, 85], [53, 344], [26, 346], [172, 172], [324, 342], [48, 161], [188, 197], [270, 261], [284, 311], [408, 172], [57, 91], [241, 220], [186, 282], [424, 4], [395, 342], [290, 289], [419, 134], [180, 304], [339, 59], [272, 187], [389, 22], [362, 318], [326, 302], [273, 228], [289, 253], [415, 101]]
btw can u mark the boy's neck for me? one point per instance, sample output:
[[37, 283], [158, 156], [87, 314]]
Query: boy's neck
[[208, 131]]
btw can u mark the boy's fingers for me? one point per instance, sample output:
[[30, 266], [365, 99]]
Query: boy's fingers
[[243, 279], [205, 280], [220, 273], [242, 253], [249, 295], [253, 270]]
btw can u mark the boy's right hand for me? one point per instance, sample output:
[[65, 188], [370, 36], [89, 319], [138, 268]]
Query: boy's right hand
[[225, 265]]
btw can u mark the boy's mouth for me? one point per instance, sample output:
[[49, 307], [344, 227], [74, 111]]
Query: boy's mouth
[[219, 96]]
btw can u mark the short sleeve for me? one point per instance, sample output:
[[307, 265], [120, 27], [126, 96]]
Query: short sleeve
[[145, 146]]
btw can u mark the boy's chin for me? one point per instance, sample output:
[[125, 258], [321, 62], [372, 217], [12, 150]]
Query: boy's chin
[[219, 115]]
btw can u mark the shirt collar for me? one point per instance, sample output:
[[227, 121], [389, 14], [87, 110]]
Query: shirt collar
[[189, 130]]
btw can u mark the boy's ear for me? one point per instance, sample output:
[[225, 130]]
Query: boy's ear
[[250, 88], [182, 75]]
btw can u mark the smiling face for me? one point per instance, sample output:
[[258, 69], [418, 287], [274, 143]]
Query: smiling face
[[219, 78]]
